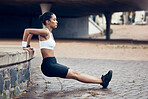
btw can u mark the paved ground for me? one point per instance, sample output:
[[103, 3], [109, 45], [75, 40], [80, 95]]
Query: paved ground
[[128, 60], [129, 80], [135, 32]]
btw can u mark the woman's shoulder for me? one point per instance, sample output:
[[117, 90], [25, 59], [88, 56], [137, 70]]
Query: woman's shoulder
[[37, 31]]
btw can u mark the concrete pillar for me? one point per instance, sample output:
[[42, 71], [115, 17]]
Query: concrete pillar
[[108, 16], [125, 17], [146, 17], [45, 8], [146, 20]]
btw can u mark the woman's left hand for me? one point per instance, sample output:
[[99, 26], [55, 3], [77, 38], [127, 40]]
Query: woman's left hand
[[32, 50], [29, 49]]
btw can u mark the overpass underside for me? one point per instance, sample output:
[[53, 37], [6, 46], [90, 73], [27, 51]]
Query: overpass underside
[[16, 15]]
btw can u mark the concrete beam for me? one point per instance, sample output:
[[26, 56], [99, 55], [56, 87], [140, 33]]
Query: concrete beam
[[71, 8]]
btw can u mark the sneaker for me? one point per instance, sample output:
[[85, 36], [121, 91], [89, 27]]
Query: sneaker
[[106, 79]]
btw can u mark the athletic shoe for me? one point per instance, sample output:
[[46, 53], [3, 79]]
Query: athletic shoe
[[106, 79]]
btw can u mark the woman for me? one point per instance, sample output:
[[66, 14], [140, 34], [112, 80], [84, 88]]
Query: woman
[[49, 66]]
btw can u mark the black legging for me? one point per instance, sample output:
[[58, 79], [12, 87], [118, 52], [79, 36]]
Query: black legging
[[51, 68]]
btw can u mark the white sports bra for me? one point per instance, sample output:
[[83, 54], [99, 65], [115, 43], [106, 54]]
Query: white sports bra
[[48, 44]]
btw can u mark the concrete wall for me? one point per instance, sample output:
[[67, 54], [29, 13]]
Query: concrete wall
[[13, 26], [72, 28], [116, 19], [94, 28], [14, 71], [139, 18]]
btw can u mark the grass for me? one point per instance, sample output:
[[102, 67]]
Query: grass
[[127, 47]]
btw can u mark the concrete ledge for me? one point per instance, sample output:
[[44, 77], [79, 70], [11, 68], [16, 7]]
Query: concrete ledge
[[14, 70], [11, 54]]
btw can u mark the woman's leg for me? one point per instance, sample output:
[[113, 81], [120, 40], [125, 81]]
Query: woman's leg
[[83, 77]]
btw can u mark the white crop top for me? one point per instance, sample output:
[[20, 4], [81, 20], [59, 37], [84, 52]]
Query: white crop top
[[48, 44]]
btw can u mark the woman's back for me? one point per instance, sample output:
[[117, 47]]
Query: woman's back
[[47, 45]]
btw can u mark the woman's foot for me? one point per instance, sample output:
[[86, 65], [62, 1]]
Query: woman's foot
[[106, 79]]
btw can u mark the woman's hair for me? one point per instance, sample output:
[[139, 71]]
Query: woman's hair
[[45, 16]]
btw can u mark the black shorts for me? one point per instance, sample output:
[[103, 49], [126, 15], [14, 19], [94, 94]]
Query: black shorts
[[51, 68]]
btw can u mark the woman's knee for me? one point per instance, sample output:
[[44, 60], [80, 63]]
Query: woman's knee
[[72, 74]]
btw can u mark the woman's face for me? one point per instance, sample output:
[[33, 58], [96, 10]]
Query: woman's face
[[53, 21]]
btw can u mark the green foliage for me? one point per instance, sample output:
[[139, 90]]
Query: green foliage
[[135, 47], [2, 97], [15, 94], [111, 31], [144, 47]]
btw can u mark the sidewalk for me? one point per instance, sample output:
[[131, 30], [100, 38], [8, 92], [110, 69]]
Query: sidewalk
[[134, 32], [129, 80]]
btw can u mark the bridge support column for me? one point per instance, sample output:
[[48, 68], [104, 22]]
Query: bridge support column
[[125, 17], [108, 16], [45, 8], [146, 17]]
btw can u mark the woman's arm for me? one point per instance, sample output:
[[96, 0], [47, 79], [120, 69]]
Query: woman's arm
[[28, 33], [29, 39], [43, 32]]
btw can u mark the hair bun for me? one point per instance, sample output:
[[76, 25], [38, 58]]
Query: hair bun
[[41, 17]]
